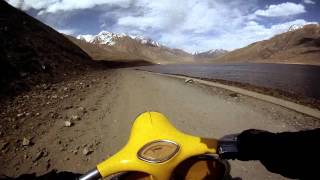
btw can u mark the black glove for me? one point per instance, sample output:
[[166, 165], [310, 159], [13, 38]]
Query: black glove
[[291, 154]]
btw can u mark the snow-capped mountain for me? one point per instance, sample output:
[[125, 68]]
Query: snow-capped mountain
[[210, 54], [299, 45], [124, 47], [295, 27], [111, 39], [145, 40]]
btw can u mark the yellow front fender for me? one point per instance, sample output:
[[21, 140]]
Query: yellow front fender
[[149, 127]]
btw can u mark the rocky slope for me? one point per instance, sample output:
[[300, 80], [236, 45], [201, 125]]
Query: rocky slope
[[298, 45], [121, 47], [32, 53]]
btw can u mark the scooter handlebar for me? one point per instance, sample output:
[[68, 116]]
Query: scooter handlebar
[[91, 175], [228, 147]]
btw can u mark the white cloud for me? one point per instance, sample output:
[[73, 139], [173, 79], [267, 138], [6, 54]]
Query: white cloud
[[309, 2], [157, 15], [86, 37], [284, 9], [191, 25], [27, 4], [15, 3], [67, 31], [231, 40], [53, 6], [204, 25], [185, 16]]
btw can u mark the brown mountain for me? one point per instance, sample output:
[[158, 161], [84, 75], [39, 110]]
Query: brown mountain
[[32, 52], [120, 47], [300, 46]]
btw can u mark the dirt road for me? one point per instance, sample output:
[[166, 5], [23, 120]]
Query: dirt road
[[102, 109]]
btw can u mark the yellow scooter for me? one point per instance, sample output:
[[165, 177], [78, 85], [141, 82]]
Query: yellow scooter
[[156, 150]]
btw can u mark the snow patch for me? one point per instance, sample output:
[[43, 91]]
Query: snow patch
[[86, 37], [147, 41], [109, 38], [215, 51], [295, 27]]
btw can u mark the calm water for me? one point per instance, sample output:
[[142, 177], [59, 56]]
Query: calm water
[[297, 79]]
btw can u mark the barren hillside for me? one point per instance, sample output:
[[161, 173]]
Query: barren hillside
[[32, 52], [300, 46]]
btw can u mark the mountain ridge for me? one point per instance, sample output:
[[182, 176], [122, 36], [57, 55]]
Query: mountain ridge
[[122, 47], [116, 47], [299, 45], [213, 53], [109, 38]]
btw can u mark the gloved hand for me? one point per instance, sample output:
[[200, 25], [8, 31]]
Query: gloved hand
[[255, 144], [291, 154]]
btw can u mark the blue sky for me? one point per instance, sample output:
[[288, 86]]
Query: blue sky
[[191, 25]]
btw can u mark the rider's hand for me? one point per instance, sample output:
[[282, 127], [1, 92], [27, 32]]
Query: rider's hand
[[291, 154], [254, 144]]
